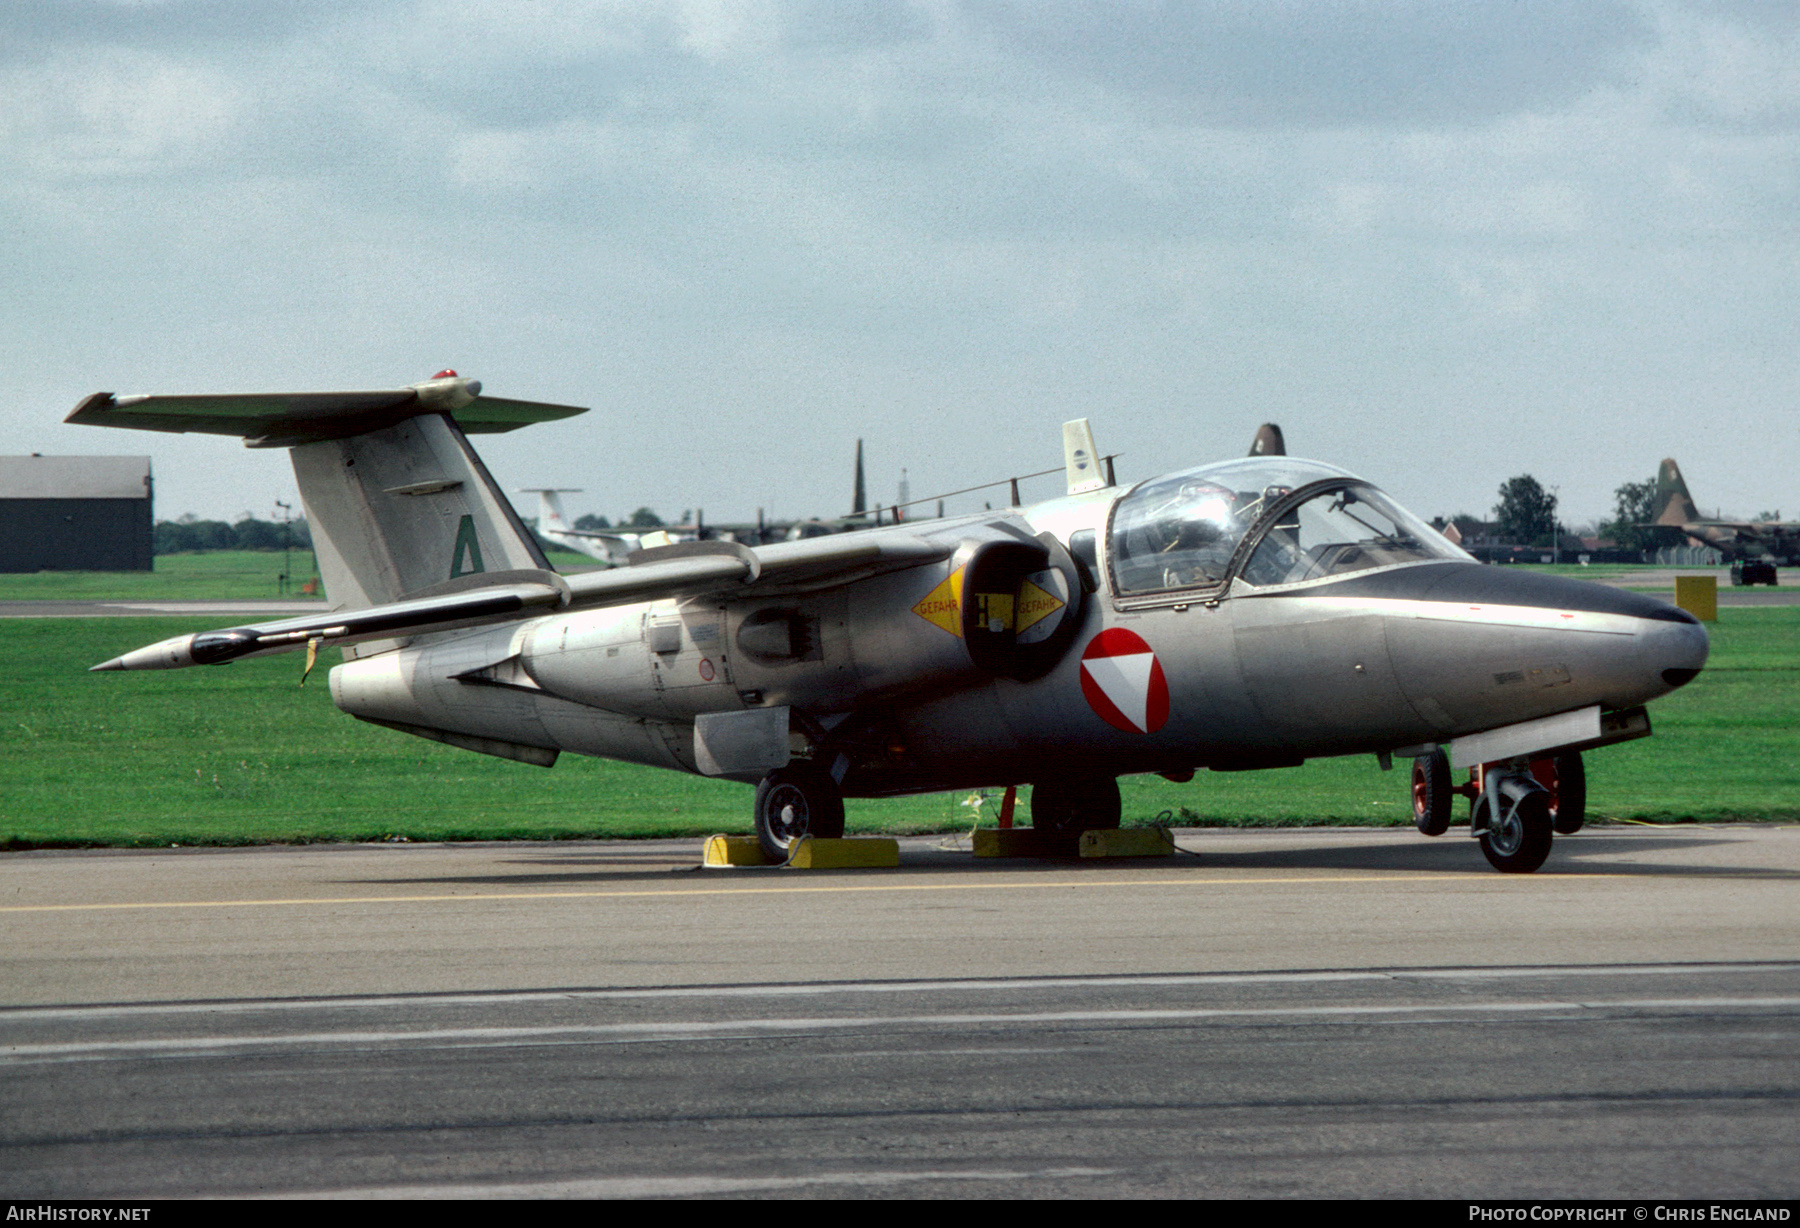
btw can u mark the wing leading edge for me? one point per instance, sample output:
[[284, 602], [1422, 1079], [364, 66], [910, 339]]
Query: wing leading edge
[[689, 569]]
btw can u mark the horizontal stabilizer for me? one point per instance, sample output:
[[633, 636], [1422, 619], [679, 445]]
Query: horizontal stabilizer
[[287, 419]]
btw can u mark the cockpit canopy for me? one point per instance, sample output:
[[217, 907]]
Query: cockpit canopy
[[1266, 520]]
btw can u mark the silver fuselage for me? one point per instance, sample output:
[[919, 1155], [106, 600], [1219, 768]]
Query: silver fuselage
[[1213, 672]]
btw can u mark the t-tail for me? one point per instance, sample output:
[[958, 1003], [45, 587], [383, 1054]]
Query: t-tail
[[401, 509]]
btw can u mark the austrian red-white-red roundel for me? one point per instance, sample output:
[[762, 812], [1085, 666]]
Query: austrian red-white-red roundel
[[1123, 681]]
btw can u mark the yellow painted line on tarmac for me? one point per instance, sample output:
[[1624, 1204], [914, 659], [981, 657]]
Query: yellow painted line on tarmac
[[303, 901]]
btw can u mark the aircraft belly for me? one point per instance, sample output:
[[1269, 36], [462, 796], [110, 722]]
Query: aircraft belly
[[1024, 731], [419, 685], [584, 730]]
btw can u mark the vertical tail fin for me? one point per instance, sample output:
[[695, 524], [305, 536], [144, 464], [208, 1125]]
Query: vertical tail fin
[[551, 518], [1674, 506], [1268, 441], [859, 501], [401, 510], [1080, 457], [397, 500]]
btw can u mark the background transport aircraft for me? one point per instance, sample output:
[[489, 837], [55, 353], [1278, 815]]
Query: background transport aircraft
[[614, 547], [1775, 540], [1251, 613], [605, 545]]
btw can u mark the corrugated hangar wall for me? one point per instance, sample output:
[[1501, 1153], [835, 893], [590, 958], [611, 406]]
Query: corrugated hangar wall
[[75, 513]]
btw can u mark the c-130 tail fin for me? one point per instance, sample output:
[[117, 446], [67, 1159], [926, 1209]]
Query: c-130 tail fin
[[398, 503]]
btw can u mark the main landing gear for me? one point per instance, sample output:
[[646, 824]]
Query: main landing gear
[[1515, 805], [798, 800], [1071, 804]]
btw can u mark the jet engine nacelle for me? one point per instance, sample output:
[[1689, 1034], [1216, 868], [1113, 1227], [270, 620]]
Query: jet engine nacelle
[[1003, 605]]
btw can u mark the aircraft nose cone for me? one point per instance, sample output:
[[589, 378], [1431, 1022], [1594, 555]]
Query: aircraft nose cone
[[1477, 647], [1666, 646], [1680, 648]]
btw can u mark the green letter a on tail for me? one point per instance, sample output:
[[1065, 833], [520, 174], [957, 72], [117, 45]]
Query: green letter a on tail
[[467, 546]]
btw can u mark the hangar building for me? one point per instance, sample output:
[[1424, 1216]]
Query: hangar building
[[75, 513]]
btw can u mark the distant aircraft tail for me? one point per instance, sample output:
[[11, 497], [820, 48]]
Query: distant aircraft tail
[[1674, 506], [1268, 441], [550, 509], [398, 503]]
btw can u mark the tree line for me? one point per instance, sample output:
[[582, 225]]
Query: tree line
[[189, 533], [1526, 516]]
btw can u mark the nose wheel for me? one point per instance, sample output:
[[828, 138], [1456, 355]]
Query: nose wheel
[[1515, 806], [796, 801], [1432, 793], [1511, 818]]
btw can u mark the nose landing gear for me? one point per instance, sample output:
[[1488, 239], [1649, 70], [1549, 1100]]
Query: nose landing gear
[[1515, 805], [1511, 819]]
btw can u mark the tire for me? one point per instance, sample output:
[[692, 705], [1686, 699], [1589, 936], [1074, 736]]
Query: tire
[[1432, 793], [795, 801], [1075, 804], [1568, 794], [1520, 842]]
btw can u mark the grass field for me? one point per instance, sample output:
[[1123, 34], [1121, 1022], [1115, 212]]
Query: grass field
[[243, 754], [212, 575]]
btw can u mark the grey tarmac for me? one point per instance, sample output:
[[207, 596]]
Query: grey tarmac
[[1315, 1012]]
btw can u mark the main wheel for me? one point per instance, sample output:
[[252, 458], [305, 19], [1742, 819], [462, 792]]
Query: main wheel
[[795, 801], [1519, 840], [1568, 793], [1075, 803], [1432, 793]]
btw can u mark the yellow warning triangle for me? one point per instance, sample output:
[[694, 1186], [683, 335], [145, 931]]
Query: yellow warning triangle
[[942, 606], [1035, 605]]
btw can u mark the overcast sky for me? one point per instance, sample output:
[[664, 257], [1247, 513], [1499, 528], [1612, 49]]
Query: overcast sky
[[1440, 243]]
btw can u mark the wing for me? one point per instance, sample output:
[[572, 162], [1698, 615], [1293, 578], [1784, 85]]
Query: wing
[[688, 569]]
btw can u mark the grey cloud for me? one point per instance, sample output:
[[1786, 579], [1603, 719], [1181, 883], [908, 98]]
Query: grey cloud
[[1364, 62]]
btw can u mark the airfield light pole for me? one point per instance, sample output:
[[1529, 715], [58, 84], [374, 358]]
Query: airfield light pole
[[1555, 529], [287, 547]]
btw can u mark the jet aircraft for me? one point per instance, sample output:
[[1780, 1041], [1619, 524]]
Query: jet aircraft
[[1738, 540], [1251, 613]]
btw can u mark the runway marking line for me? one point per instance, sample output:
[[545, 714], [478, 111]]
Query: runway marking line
[[689, 1030], [742, 890], [814, 989]]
